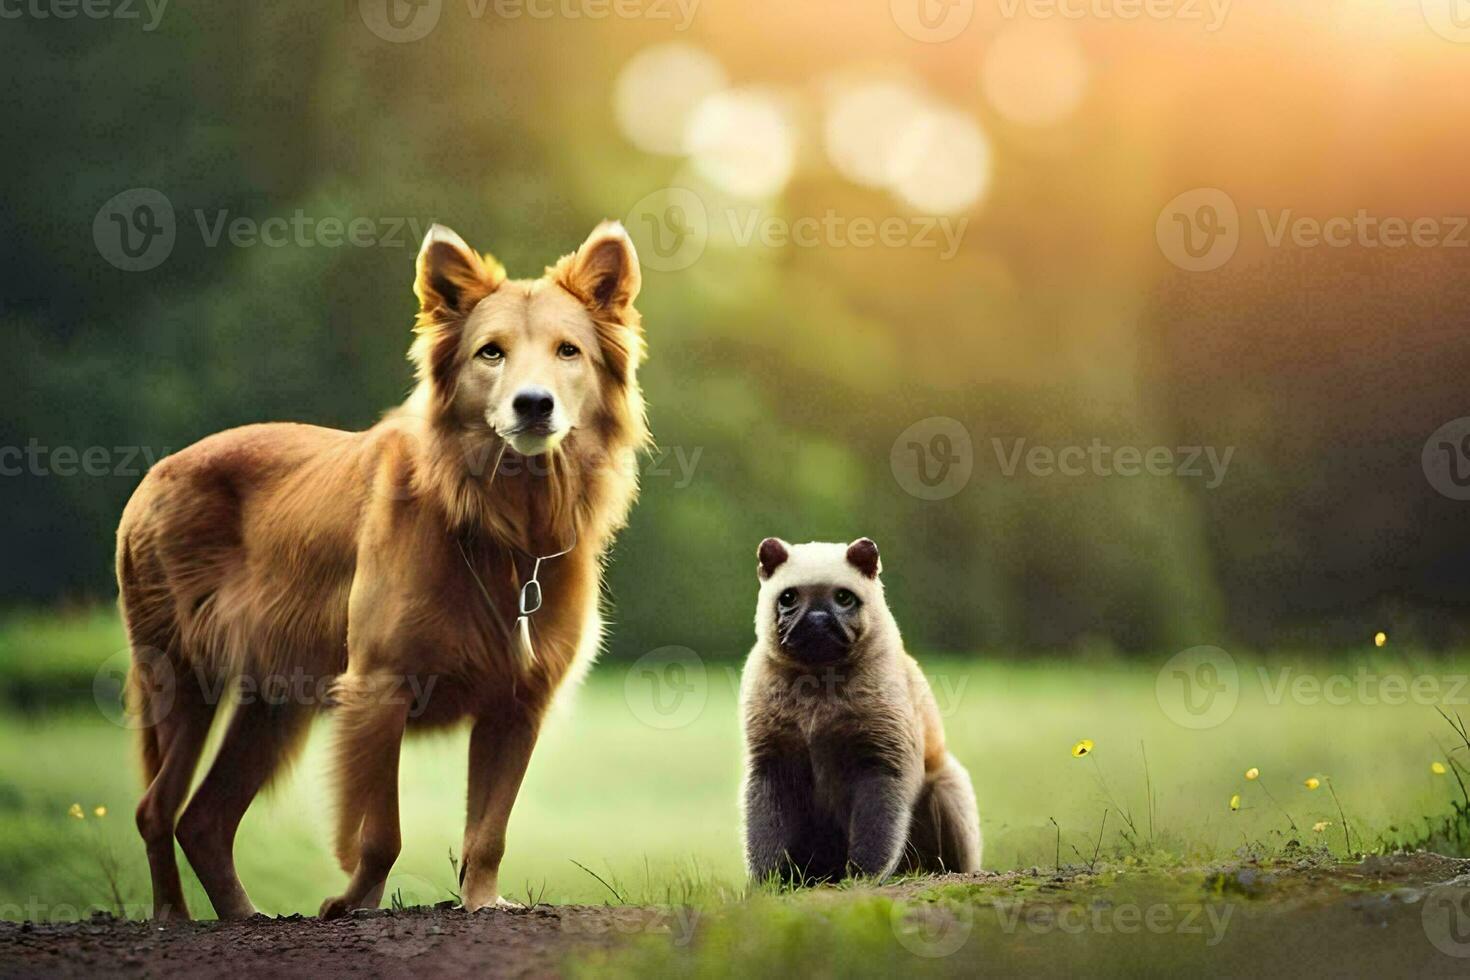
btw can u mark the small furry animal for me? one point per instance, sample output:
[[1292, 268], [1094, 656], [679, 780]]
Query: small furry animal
[[846, 769]]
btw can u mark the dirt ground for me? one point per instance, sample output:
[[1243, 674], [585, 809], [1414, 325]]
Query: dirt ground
[[421, 942], [1402, 912]]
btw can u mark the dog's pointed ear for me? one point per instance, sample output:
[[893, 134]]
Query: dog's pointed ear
[[862, 554], [770, 556], [450, 276], [603, 273]]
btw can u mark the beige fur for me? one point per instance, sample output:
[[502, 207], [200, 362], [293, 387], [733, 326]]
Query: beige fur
[[871, 711]]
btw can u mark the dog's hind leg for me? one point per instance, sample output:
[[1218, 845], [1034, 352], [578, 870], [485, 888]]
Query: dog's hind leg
[[174, 714], [260, 738], [372, 713]]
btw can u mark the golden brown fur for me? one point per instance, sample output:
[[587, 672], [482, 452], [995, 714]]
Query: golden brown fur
[[385, 565]]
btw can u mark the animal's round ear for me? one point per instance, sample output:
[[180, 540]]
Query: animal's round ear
[[862, 554], [770, 555]]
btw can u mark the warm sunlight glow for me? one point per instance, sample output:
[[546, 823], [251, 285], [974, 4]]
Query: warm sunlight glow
[[942, 162], [658, 90], [1034, 74], [741, 141], [865, 124]]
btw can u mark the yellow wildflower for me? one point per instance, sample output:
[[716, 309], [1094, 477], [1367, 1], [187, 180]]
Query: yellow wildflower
[[101, 811], [1082, 748], [1252, 773], [1380, 638], [76, 811], [1311, 782], [1321, 825], [1235, 802], [1438, 768]]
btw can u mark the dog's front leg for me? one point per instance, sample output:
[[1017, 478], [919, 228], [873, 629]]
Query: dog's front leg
[[372, 715], [500, 750]]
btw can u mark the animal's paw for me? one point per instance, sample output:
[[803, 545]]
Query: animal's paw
[[336, 908]]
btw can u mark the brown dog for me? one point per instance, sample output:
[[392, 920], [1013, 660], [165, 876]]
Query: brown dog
[[389, 564]]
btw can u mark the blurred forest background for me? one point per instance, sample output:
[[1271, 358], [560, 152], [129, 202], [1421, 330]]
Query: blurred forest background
[[786, 372]]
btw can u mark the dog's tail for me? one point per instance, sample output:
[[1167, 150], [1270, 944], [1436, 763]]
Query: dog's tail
[[150, 631]]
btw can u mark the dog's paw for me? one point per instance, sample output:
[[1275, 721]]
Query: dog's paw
[[335, 908]]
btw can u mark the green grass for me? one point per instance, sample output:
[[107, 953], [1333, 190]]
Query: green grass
[[653, 812], [1314, 917], [53, 657]]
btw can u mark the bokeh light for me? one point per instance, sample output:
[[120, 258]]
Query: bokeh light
[[1035, 74], [658, 90], [865, 125], [942, 162], [742, 141]]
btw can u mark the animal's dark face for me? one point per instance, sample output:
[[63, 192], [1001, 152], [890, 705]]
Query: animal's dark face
[[817, 623], [818, 600]]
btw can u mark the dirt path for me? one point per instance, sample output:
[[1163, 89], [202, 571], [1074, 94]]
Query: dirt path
[[1386, 915], [411, 943]]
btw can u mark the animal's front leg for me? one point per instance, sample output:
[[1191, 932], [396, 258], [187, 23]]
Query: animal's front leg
[[777, 798], [500, 750], [882, 807], [372, 713]]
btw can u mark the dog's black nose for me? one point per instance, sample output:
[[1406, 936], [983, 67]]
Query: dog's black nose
[[533, 404]]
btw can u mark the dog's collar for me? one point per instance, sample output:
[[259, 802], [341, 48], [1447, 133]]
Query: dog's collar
[[530, 598], [528, 601]]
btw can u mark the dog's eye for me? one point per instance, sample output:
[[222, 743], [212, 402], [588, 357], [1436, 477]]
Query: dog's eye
[[567, 351], [491, 352], [786, 599], [844, 599]]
